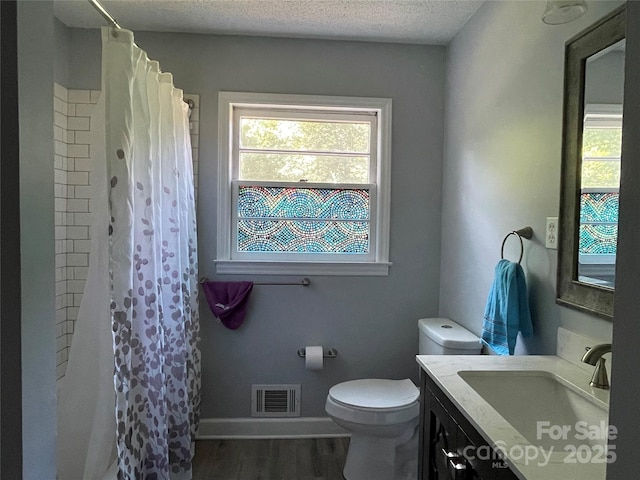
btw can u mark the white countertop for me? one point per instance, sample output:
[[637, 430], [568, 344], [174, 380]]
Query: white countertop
[[443, 369]]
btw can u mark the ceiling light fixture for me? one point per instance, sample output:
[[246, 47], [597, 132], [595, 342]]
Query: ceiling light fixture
[[563, 11]]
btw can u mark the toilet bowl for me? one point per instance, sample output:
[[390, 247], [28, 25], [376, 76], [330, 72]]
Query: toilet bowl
[[382, 415]]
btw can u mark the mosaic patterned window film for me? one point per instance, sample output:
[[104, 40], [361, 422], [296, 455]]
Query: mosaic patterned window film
[[303, 220], [598, 223], [601, 149]]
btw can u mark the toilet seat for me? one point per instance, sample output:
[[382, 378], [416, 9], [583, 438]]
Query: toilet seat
[[375, 393], [374, 401]]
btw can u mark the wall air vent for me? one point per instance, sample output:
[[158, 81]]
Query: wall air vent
[[275, 400]]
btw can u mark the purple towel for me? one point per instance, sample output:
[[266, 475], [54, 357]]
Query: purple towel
[[228, 301]]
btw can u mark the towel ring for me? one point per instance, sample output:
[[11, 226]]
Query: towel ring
[[526, 232]]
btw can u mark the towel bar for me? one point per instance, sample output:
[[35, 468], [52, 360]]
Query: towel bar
[[305, 282]]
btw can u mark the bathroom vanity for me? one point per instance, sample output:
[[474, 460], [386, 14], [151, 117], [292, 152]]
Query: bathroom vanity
[[507, 418]]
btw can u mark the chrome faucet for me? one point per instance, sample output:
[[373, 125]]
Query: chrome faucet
[[593, 356]]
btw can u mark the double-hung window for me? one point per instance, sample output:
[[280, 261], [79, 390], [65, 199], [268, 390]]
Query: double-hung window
[[303, 184], [599, 194]]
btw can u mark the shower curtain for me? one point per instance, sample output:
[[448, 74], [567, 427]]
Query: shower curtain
[[148, 269]]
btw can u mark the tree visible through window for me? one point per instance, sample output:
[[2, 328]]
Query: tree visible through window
[[599, 197], [305, 182]]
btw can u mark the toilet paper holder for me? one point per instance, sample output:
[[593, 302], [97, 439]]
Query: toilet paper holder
[[329, 353]]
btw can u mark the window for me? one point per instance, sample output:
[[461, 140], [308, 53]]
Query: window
[[303, 184], [599, 194]]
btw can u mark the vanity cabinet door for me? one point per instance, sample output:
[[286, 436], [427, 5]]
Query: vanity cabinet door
[[450, 447]]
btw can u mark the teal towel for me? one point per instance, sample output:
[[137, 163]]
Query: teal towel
[[507, 311]]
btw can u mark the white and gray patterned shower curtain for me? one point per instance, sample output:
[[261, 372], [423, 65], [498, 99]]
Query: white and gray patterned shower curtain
[[152, 264]]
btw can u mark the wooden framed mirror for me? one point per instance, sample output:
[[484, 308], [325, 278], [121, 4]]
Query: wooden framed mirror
[[591, 144]]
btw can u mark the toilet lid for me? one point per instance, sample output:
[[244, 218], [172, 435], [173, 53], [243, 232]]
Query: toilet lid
[[375, 393]]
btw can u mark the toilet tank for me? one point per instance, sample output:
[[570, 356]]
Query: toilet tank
[[441, 336]]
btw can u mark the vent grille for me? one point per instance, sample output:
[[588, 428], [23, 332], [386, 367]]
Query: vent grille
[[275, 400]]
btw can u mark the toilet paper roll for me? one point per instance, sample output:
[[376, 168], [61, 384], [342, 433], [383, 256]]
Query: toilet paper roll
[[313, 357]]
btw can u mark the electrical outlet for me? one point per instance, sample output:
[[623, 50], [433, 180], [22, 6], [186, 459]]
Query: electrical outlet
[[551, 234]]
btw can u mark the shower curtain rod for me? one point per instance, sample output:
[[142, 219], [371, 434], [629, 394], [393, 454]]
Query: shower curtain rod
[[112, 21], [107, 16]]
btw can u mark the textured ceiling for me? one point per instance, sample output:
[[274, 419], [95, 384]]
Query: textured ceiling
[[401, 21]]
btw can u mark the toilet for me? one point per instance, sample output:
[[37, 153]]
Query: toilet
[[382, 415]]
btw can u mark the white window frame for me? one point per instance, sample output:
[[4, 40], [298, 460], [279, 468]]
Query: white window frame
[[377, 262]]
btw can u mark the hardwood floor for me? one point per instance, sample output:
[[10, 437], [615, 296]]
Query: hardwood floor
[[298, 459]]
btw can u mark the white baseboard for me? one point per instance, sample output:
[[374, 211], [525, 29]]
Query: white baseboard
[[247, 428]]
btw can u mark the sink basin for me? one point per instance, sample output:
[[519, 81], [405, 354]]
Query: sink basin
[[546, 410]]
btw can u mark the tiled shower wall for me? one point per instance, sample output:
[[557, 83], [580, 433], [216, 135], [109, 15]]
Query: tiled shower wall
[[72, 167]]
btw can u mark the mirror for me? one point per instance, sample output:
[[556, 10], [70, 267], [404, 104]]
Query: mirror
[[592, 139]]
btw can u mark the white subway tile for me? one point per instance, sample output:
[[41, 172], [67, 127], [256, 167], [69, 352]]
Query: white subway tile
[[80, 273], [83, 192], [61, 288], [79, 96], [60, 91], [83, 165], [82, 246], [60, 371], [61, 260], [82, 218], [58, 189], [60, 120], [77, 233], [78, 151], [59, 302], [60, 273], [77, 299], [71, 110], [60, 205], [59, 106], [72, 314], [77, 205], [58, 133], [82, 138], [84, 109], [60, 148], [77, 178], [61, 344], [57, 162], [95, 96], [73, 287], [78, 123], [77, 260]]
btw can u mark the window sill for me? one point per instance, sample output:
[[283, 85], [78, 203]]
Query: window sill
[[302, 268]]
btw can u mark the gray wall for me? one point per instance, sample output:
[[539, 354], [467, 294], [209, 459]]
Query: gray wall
[[604, 79], [371, 321], [61, 37], [503, 125], [35, 76]]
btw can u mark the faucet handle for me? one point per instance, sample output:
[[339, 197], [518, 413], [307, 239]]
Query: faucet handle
[[600, 378]]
